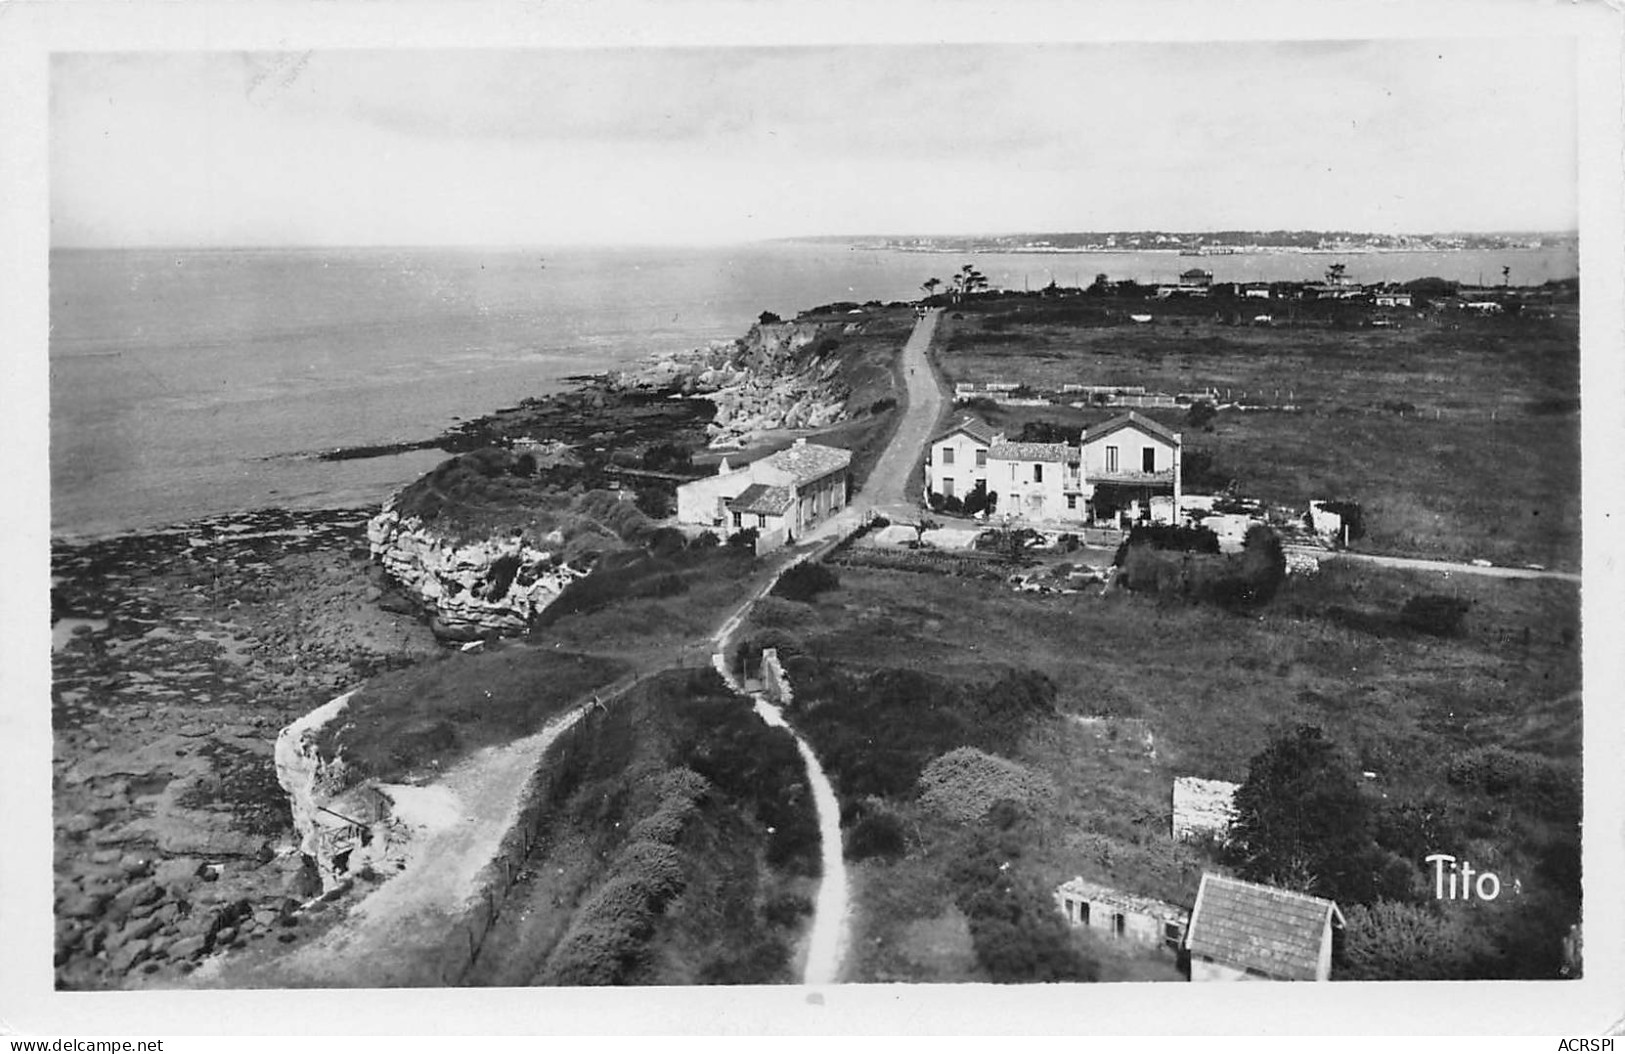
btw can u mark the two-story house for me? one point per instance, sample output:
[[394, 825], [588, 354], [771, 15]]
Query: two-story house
[[1131, 469], [1037, 481], [956, 460]]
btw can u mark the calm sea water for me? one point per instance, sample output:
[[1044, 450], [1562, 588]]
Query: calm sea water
[[191, 383]]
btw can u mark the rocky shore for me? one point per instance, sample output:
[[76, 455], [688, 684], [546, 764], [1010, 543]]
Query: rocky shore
[[177, 657]]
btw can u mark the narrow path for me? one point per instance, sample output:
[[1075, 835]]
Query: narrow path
[[1451, 567], [883, 492]]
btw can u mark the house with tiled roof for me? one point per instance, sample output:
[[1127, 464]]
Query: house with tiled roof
[[956, 459], [1037, 481], [1243, 931], [780, 496], [1131, 469]]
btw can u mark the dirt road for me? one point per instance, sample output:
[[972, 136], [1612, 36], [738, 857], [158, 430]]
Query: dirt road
[[1449, 568]]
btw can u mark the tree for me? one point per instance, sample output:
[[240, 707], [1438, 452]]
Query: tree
[[969, 280], [768, 318], [1302, 820], [930, 286], [925, 523], [1334, 273]]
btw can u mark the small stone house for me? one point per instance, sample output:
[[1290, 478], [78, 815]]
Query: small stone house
[[1117, 915], [781, 495], [1243, 931], [1203, 808]]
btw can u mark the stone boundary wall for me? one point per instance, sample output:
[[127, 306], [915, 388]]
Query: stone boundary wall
[[496, 879]]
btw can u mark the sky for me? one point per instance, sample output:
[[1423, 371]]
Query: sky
[[706, 145]]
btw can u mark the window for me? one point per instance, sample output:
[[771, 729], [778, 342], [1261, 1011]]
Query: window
[[981, 459], [1083, 912], [948, 487], [1118, 924], [1072, 501], [1111, 459], [1038, 473], [947, 455], [738, 521], [1148, 459]]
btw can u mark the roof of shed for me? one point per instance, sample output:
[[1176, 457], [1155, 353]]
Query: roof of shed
[[761, 498], [1144, 424], [809, 461], [1248, 926], [1106, 896]]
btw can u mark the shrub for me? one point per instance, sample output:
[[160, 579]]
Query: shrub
[[936, 501], [786, 909], [952, 506], [768, 318], [1539, 782], [805, 581], [1200, 414], [745, 539], [965, 784], [1434, 614], [705, 540], [500, 576], [1391, 941], [881, 405], [877, 834], [524, 465]]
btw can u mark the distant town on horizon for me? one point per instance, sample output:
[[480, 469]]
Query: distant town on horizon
[[1210, 242]]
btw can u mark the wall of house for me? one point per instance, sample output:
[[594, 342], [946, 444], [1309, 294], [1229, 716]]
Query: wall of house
[[1023, 497], [1203, 970], [697, 500], [1129, 441], [818, 500], [964, 471]]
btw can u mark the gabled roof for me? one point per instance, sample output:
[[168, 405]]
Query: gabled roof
[[808, 461], [1248, 926], [761, 498], [1144, 424], [977, 430], [1029, 452]]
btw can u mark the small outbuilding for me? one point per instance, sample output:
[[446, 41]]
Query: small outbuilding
[[1122, 916], [1243, 931]]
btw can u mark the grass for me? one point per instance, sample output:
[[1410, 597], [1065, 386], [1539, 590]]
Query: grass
[[678, 846], [437, 712], [1459, 436], [1210, 687]]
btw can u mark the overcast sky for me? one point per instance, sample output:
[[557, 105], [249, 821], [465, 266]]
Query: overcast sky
[[706, 145]]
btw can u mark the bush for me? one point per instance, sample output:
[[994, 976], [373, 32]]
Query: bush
[[745, 540], [1200, 414], [877, 834], [524, 465], [805, 581], [1541, 783], [768, 318], [952, 506], [965, 784], [705, 540], [1390, 941], [880, 406], [1434, 614], [786, 909]]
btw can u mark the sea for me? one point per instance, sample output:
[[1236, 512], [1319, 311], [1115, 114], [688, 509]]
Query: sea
[[190, 383]]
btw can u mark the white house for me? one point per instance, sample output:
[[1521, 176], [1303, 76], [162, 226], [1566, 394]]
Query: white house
[[781, 495], [956, 460], [1131, 469], [1037, 481], [1242, 931]]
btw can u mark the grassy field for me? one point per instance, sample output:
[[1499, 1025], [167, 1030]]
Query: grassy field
[[1171, 689], [1458, 435]]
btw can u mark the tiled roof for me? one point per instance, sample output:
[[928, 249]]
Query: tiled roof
[[1029, 452], [1248, 926], [761, 498], [971, 427], [1144, 424], [809, 461]]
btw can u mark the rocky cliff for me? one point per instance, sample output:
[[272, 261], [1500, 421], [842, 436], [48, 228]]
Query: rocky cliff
[[468, 589], [779, 375]]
